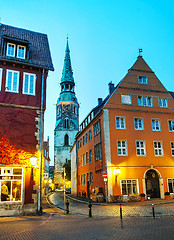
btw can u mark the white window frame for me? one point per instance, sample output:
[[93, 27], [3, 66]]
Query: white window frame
[[142, 80], [1, 70], [29, 79], [122, 148], [137, 185], [171, 125], [8, 44], [121, 122], [158, 148], [139, 119], [145, 101], [172, 148], [18, 51], [156, 125], [162, 102], [9, 178], [12, 82], [140, 148], [172, 181], [126, 99]]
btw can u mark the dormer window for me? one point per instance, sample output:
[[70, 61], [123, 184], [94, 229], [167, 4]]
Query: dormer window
[[11, 49], [14, 50], [142, 80]]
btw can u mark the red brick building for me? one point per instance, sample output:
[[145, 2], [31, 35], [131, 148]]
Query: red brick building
[[129, 136], [24, 64]]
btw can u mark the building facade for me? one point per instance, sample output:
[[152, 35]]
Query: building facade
[[130, 137], [24, 64], [67, 120]]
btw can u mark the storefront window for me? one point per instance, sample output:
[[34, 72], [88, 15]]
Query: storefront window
[[129, 186], [11, 184]]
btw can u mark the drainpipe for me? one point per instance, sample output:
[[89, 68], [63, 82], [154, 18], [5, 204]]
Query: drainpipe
[[39, 209]]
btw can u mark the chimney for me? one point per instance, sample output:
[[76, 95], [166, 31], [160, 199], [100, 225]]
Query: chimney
[[99, 101], [111, 87]]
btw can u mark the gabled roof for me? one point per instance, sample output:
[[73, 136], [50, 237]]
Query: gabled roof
[[37, 44]]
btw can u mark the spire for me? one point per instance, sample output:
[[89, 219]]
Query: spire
[[67, 73]]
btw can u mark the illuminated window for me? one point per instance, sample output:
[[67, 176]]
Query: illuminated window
[[12, 81], [11, 184], [129, 186], [29, 82]]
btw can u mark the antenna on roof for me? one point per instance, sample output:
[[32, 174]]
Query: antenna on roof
[[140, 51]]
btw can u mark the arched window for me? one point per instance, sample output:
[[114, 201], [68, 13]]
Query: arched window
[[66, 140], [66, 123]]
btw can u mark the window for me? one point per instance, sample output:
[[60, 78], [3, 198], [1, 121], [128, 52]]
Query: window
[[83, 140], [122, 147], [170, 185], [156, 125], [66, 140], [0, 78], [80, 142], [90, 156], [140, 147], [66, 123], [12, 81], [11, 49], [29, 82], [97, 152], [129, 186], [87, 177], [79, 161], [87, 158], [84, 160], [97, 127], [126, 99], [142, 80], [145, 101], [90, 135], [158, 148], [138, 123], [120, 123], [21, 51], [162, 102], [172, 148], [79, 180], [84, 180], [11, 184], [91, 178], [171, 125], [86, 138]]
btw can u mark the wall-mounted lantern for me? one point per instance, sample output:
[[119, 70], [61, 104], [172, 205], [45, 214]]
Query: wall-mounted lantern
[[116, 173], [33, 161]]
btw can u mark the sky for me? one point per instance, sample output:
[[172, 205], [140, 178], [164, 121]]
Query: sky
[[104, 38]]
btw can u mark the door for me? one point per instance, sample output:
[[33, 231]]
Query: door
[[152, 184]]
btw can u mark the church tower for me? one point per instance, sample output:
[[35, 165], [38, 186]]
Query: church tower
[[67, 119]]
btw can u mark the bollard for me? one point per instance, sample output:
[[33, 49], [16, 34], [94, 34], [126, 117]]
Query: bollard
[[67, 207], [153, 211], [90, 210], [121, 216]]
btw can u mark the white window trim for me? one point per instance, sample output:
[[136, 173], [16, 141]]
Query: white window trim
[[144, 147], [142, 104], [124, 119], [18, 51], [6, 89], [14, 49], [1, 70], [158, 148], [139, 129], [121, 147], [168, 124], [34, 85], [156, 119], [168, 183], [165, 101], [131, 180], [143, 77]]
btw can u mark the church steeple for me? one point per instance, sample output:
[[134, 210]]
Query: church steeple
[[67, 80]]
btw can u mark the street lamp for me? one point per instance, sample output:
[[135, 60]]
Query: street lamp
[[116, 173], [33, 161]]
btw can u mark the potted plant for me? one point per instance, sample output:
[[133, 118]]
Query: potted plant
[[142, 197], [167, 195]]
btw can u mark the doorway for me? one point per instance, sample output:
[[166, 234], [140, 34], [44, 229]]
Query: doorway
[[152, 184]]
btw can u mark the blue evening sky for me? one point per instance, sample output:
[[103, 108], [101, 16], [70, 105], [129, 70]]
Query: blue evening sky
[[104, 37]]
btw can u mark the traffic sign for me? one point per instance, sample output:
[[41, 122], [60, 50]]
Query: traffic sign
[[105, 175]]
